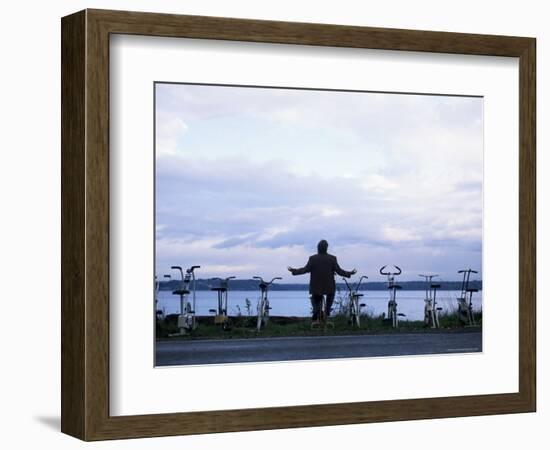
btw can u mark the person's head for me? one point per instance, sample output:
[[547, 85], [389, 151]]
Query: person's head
[[322, 247]]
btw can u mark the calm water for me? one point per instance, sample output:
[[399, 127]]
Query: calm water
[[296, 303]]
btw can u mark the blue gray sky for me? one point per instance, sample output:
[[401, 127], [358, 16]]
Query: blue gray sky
[[248, 180]]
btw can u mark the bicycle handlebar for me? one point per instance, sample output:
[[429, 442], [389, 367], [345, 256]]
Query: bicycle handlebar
[[224, 282], [390, 273], [347, 284], [224, 279], [265, 282], [357, 286], [192, 268], [178, 268], [428, 276]]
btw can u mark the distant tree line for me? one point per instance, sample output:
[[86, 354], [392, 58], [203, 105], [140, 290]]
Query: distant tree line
[[252, 285]]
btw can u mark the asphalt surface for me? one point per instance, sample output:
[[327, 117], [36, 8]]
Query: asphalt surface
[[178, 352]]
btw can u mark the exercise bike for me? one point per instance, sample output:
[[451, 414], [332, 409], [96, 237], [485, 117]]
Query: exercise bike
[[353, 306], [322, 319], [431, 310], [186, 320], [465, 307], [159, 313], [220, 313], [393, 315], [263, 304]]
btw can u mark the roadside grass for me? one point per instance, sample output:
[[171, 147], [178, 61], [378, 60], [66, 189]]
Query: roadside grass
[[279, 326]]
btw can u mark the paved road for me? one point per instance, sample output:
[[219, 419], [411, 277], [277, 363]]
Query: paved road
[[322, 347]]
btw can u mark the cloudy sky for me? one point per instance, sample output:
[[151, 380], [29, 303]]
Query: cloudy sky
[[248, 180]]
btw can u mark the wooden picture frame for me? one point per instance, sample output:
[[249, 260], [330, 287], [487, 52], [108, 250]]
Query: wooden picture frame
[[85, 224]]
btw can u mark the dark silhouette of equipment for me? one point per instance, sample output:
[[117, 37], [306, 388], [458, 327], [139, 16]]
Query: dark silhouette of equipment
[[393, 315], [465, 307], [353, 306], [263, 304], [187, 321], [220, 314], [431, 310]]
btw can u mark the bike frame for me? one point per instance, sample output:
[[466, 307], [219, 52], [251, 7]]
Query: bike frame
[[393, 315], [465, 307], [221, 315], [187, 318], [322, 319], [168, 277], [263, 305], [431, 311], [354, 307], [191, 272]]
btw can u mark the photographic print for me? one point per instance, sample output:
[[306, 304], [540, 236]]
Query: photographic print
[[300, 224]]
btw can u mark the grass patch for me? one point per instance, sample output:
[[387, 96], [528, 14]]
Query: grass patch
[[279, 326]]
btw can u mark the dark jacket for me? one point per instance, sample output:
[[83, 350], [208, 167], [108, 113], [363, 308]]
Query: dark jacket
[[322, 268]]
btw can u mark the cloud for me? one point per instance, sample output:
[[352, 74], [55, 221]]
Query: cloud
[[378, 183], [396, 234], [249, 181], [169, 129]]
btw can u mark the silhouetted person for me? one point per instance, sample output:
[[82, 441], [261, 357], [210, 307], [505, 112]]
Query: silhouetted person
[[322, 268]]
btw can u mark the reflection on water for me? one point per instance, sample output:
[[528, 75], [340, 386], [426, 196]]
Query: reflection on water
[[296, 303]]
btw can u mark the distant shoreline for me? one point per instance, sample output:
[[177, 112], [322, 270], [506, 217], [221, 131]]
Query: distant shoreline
[[252, 285]]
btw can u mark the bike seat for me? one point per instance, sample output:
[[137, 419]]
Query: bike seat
[[435, 286], [180, 292], [219, 289], [472, 290], [394, 286], [212, 311], [358, 295]]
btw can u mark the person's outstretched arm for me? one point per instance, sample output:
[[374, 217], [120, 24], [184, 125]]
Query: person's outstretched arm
[[342, 272], [301, 270]]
